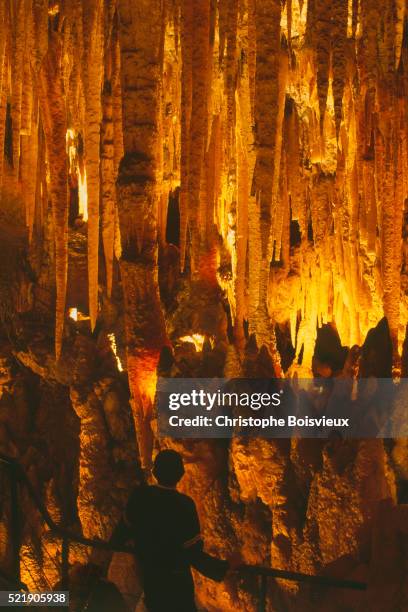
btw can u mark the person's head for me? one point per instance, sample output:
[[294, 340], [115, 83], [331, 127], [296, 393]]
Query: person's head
[[168, 468]]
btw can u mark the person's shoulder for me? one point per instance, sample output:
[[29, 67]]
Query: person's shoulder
[[163, 495], [186, 500], [140, 488], [139, 491]]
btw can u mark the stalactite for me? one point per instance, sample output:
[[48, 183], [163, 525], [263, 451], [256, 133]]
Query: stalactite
[[241, 241], [401, 192], [3, 112], [251, 52], [354, 17], [349, 161], [401, 10], [285, 207], [92, 68], [386, 44], [231, 66], [310, 23], [209, 194], [116, 100], [27, 101], [117, 124], [118, 243], [108, 185], [266, 108], [3, 88], [169, 114], [223, 15], [40, 32], [41, 195], [53, 114], [247, 259], [289, 25], [254, 262], [322, 40], [141, 37], [369, 52], [266, 113], [389, 236], [186, 102], [3, 42], [294, 170], [29, 156], [339, 42], [18, 21], [198, 121], [371, 204], [108, 175], [279, 206]]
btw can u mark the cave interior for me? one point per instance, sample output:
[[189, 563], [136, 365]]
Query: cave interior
[[197, 189]]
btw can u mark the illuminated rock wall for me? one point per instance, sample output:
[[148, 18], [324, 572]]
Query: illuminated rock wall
[[191, 174], [282, 127]]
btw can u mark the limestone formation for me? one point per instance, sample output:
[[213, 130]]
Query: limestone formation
[[197, 188]]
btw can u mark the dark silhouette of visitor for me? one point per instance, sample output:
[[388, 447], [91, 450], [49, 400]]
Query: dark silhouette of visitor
[[164, 527]]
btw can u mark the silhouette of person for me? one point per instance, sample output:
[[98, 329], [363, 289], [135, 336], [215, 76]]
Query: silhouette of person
[[164, 526]]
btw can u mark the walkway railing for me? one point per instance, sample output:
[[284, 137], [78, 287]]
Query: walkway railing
[[18, 478]]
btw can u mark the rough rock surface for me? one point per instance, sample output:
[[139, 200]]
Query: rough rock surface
[[245, 165]]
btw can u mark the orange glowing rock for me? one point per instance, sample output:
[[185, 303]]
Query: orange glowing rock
[[196, 339]]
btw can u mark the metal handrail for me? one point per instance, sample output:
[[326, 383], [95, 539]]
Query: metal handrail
[[58, 529], [17, 585], [263, 572], [329, 581]]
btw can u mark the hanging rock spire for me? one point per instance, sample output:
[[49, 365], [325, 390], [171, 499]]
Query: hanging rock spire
[[54, 121]]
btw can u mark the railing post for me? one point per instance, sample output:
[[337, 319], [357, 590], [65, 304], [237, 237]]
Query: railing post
[[262, 593], [15, 526], [65, 564]]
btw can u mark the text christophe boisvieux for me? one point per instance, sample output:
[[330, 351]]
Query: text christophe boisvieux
[[255, 401]]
